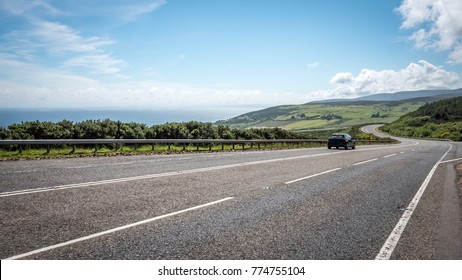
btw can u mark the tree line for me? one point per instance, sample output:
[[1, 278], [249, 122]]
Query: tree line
[[109, 129], [445, 110]]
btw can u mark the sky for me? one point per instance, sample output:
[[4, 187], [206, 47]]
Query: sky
[[223, 54]]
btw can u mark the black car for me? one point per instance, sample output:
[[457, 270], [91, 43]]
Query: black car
[[341, 140]]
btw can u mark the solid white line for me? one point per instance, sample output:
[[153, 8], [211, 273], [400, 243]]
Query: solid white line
[[311, 176], [158, 175], [451, 160], [175, 173], [363, 162], [389, 155], [392, 241], [95, 235]]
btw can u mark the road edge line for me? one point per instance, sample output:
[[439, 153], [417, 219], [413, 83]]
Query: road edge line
[[389, 246]]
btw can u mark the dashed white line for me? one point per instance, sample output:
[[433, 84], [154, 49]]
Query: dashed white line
[[367, 161], [80, 167], [95, 235], [393, 238], [311, 176], [175, 173], [158, 175], [25, 171], [389, 155]]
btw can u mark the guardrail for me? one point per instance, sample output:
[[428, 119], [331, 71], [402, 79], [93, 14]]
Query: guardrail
[[73, 142]]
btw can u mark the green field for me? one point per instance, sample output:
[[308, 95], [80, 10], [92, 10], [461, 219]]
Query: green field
[[310, 116]]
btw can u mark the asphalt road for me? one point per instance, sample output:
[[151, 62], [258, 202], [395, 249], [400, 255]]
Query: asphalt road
[[292, 204]]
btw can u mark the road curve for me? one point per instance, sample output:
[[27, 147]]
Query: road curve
[[292, 204]]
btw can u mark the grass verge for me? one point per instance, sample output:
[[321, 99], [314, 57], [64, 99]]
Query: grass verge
[[68, 152]]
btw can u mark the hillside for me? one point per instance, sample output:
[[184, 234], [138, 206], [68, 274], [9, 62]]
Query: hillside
[[402, 95], [337, 114], [440, 119]]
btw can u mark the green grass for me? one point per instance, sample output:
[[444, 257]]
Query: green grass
[[35, 153], [314, 116]]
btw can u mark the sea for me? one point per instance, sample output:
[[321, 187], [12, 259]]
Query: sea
[[149, 117]]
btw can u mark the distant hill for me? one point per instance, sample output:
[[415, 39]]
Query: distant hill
[[440, 119], [398, 96], [339, 113]]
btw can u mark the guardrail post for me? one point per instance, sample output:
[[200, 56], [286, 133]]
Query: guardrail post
[[243, 146], [48, 149], [169, 147], [184, 147], [96, 148], [222, 146], [73, 149], [210, 147], [153, 147], [20, 148]]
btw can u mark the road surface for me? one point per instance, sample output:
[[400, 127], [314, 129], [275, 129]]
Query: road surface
[[290, 204]]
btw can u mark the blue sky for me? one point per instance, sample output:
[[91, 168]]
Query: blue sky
[[246, 54]]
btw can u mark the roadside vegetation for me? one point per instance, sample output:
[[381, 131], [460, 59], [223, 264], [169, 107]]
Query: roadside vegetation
[[108, 129], [82, 151], [441, 119]]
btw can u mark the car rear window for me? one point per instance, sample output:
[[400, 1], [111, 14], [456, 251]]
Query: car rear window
[[339, 136]]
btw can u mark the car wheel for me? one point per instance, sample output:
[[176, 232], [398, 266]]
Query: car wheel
[[353, 148], [329, 147]]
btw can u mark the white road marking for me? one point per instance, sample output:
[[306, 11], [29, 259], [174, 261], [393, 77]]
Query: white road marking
[[392, 241], [95, 235], [401, 152], [363, 162], [311, 176], [158, 175], [24, 171], [80, 167], [390, 156], [451, 160], [176, 173]]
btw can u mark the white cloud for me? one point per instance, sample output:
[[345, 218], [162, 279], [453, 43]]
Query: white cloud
[[342, 78], [59, 38], [312, 65], [30, 85], [138, 95], [23, 7], [21, 74], [102, 63], [438, 24], [416, 76], [61, 42], [134, 10]]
